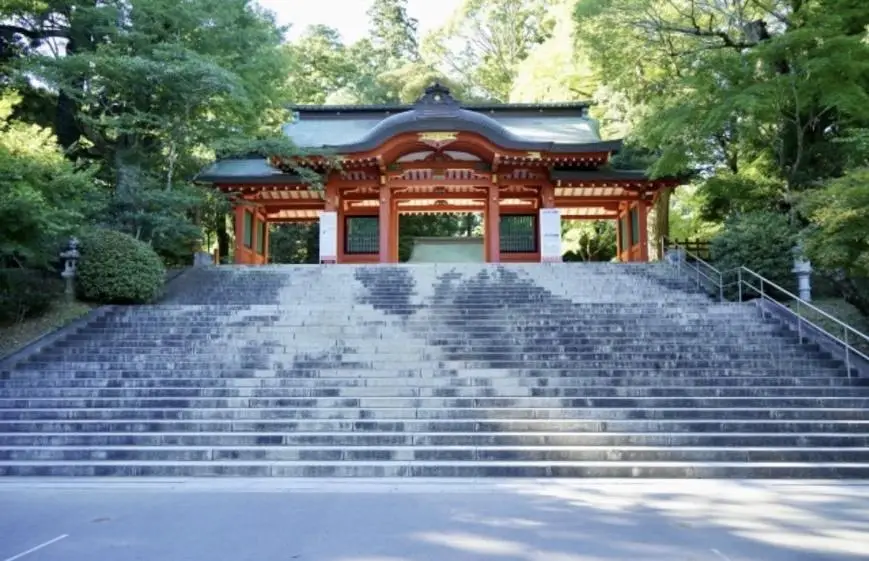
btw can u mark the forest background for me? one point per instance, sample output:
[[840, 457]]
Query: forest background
[[109, 108]]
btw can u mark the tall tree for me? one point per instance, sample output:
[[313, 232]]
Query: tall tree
[[555, 70], [44, 196], [393, 31], [146, 87], [485, 41], [320, 64]]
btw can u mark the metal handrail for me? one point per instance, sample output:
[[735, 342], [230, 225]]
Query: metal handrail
[[847, 330], [698, 273], [741, 272]]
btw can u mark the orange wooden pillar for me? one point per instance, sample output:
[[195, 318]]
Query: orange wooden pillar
[[547, 196], [619, 235], [395, 232], [493, 225], [238, 254], [266, 235], [643, 211], [384, 224]]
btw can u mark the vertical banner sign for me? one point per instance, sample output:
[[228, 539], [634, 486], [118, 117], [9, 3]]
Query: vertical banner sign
[[328, 237], [550, 235]]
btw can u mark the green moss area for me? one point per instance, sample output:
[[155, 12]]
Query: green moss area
[[15, 336], [842, 311]]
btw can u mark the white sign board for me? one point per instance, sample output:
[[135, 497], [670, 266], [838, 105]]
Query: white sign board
[[328, 237], [550, 235]]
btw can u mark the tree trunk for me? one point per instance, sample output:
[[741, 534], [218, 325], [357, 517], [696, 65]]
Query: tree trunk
[[659, 220]]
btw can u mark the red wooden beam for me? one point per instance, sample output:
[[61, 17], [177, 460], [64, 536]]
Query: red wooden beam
[[437, 182], [477, 165], [441, 208]]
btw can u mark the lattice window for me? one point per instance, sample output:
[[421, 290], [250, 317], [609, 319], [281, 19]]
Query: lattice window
[[518, 233], [363, 235]]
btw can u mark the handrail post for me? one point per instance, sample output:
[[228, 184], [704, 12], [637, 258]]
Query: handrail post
[[720, 287], [739, 283], [799, 322], [847, 353]]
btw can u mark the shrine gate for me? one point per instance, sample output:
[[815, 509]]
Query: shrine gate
[[524, 167]]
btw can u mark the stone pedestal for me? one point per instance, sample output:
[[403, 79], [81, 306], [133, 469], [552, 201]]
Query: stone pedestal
[[803, 270]]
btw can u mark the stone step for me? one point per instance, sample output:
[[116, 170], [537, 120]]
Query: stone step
[[338, 305], [611, 300], [423, 378], [775, 470], [664, 426], [340, 439], [745, 412], [545, 302], [108, 358], [434, 328], [213, 363], [415, 454], [375, 320], [385, 348], [652, 381], [417, 378], [369, 403], [194, 391]]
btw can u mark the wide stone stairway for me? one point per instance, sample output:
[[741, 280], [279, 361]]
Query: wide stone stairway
[[567, 370]]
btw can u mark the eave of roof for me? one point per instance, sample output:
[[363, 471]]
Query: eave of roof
[[284, 179], [478, 107], [489, 129]]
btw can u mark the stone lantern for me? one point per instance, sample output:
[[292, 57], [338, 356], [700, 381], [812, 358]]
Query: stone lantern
[[70, 258], [803, 270]]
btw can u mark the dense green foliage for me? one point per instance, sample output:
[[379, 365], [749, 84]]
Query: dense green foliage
[[761, 241], [116, 268], [26, 293], [589, 241], [43, 196], [838, 239], [294, 243]]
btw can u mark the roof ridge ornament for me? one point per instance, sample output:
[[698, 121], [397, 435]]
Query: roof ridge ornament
[[436, 94]]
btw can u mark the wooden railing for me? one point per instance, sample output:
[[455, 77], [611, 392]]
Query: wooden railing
[[700, 248]]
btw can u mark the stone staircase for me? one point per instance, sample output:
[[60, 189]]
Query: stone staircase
[[567, 370]]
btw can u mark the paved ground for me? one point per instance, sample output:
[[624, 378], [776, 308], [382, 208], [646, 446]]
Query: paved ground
[[274, 520]]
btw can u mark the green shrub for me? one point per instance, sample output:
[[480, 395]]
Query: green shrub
[[116, 268], [760, 241], [26, 293]]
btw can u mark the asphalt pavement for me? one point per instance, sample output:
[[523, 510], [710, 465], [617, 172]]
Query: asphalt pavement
[[454, 520]]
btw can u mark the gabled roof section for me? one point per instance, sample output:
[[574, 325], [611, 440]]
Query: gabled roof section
[[245, 170], [562, 127]]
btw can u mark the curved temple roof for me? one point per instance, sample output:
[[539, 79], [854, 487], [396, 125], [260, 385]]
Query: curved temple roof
[[556, 128], [553, 128]]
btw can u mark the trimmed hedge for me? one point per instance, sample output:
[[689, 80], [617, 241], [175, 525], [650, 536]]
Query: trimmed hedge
[[27, 293], [761, 241], [116, 268]]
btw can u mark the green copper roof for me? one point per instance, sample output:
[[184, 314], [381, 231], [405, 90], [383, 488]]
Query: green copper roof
[[562, 127], [316, 130], [556, 127], [244, 170]]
